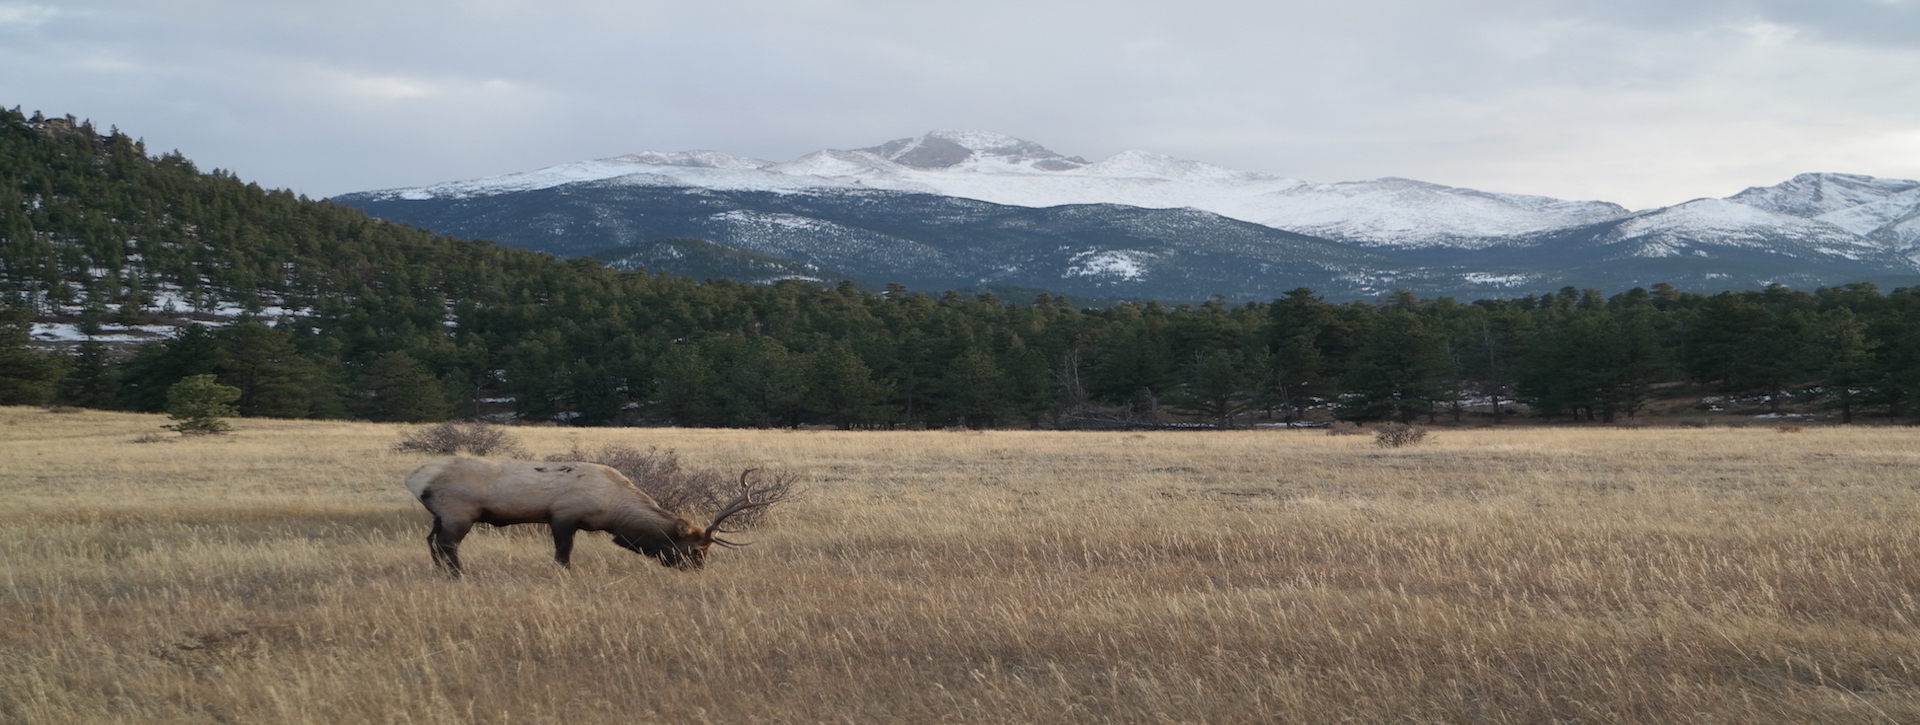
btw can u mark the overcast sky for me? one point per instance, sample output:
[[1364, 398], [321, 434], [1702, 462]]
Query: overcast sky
[[1641, 102]]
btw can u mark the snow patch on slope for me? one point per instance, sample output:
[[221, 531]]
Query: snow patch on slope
[[1498, 280], [1112, 264]]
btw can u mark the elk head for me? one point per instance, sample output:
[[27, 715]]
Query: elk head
[[685, 546]]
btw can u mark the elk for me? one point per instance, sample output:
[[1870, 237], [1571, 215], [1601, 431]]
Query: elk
[[567, 496]]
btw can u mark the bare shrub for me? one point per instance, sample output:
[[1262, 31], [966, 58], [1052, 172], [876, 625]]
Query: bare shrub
[[152, 438], [1345, 428], [1630, 424], [1692, 422], [1790, 429], [1395, 435], [1737, 424], [659, 474], [477, 438]]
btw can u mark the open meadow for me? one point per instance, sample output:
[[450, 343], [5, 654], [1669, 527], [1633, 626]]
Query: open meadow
[[1526, 575]]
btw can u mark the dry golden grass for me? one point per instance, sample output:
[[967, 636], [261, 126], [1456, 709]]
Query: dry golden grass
[[1501, 576]]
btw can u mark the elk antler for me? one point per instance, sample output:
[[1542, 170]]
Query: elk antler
[[742, 502]]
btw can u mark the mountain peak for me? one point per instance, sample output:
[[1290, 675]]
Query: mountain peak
[[1146, 164], [692, 160], [946, 149], [1812, 195]]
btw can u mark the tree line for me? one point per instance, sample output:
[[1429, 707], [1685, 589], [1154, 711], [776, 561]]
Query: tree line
[[402, 324]]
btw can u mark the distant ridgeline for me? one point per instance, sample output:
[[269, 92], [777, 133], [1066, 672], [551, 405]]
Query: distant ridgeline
[[330, 313]]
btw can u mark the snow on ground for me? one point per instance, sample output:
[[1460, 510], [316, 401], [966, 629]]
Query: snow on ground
[[1124, 264], [788, 221], [69, 332], [1873, 217], [169, 302], [1497, 280]]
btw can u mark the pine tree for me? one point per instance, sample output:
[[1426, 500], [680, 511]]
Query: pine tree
[[261, 361], [1292, 377], [1129, 361], [683, 383], [1743, 347], [1215, 386], [596, 396], [399, 388], [155, 367], [27, 376], [765, 386], [974, 391], [1030, 385], [841, 388], [199, 402], [1402, 372], [1840, 361], [93, 380]]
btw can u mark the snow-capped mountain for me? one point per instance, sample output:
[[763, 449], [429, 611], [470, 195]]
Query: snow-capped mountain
[[1815, 196], [1006, 170], [973, 209], [1703, 226], [1394, 212], [1885, 211]]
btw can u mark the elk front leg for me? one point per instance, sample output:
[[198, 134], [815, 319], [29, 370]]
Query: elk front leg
[[563, 543], [444, 541]]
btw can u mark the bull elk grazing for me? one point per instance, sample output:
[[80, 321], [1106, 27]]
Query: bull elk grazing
[[569, 497]]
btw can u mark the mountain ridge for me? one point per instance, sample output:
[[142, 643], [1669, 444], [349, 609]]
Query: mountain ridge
[[1813, 229], [1001, 169]]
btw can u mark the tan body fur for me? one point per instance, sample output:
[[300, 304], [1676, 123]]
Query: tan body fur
[[568, 496]]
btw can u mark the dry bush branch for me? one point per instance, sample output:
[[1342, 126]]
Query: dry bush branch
[[659, 473], [478, 438], [1395, 435]]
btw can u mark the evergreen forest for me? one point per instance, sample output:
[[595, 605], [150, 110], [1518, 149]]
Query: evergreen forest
[[400, 324]]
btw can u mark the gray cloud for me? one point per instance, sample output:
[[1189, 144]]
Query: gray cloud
[[1635, 101]]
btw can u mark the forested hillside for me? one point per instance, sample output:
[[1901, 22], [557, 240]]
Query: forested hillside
[[354, 317]]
